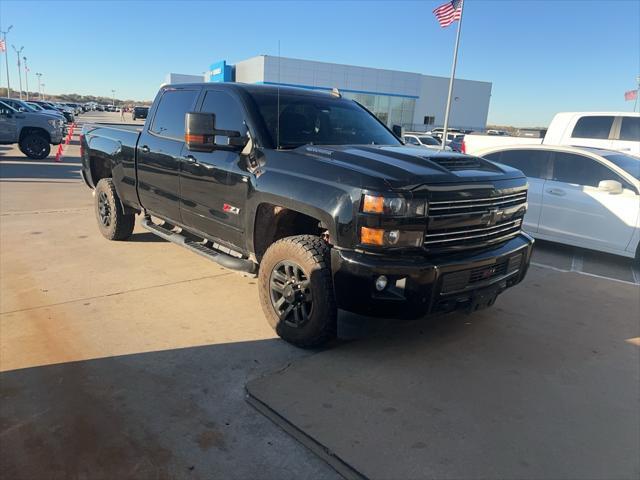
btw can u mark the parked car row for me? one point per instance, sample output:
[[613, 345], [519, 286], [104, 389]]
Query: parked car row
[[32, 129]]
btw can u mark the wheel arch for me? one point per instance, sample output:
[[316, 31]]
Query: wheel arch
[[34, 130]]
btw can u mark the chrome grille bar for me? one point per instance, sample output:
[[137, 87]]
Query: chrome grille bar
[[472, 200], [514, 223], [477, 236]]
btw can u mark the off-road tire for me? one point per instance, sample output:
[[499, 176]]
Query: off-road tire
[[311, 254], [112, 223], [35, 146]]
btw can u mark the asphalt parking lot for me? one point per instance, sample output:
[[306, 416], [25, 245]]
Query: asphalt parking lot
[[132, 360]]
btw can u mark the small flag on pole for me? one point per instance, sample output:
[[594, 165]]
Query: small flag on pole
[[449, 12], [631, 95], [3, 46]]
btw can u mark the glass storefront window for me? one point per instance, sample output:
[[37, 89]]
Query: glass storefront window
[[389, 110]]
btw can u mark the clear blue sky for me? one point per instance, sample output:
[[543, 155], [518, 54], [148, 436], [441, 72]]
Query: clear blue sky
[[542, 56]]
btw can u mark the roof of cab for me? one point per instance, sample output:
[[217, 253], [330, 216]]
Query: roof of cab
[[255, 88]]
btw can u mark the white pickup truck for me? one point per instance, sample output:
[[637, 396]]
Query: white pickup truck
[[608, 130]]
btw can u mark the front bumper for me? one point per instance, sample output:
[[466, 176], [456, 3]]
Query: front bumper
[[418, 285], [56, 136]]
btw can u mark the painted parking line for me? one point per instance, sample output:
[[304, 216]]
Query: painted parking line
[[577, 262], [626, 282]]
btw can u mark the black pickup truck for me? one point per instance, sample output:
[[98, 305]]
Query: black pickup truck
[[314, 194]]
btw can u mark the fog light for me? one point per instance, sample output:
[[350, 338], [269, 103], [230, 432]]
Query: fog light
[[393, 236], [381, 283]]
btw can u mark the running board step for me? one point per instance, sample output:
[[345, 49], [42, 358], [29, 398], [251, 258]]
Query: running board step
[[227, 261]]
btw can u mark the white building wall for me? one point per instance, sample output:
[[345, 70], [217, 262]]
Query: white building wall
[[183, 78], [469, 105], [309, 73], [250, 70]]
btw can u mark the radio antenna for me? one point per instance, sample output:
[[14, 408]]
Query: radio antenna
[[278, 114]]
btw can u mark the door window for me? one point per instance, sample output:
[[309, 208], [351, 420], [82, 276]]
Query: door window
[[597, 127], [533, 163], [229, 114], [630, 129], [5, 110], [411, 140], [169, 117], [581, 170]]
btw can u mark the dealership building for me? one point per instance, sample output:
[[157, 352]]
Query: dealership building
[[413, 100]]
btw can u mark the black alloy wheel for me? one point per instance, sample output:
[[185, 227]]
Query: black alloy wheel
[[290, 292], [35, 146], [104, 209]]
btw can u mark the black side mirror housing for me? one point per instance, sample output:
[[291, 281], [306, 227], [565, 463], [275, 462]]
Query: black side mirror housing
[[397, 131], [200, 134]]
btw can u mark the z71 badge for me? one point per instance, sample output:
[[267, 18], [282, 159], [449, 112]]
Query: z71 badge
[[230, 209]]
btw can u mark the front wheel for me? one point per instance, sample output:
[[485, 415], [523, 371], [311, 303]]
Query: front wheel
[[35, 146], [112, 222], [296, 290]]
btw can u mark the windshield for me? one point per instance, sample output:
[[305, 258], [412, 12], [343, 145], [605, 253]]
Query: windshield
[[429, 141], [307, 119], [629, 164]]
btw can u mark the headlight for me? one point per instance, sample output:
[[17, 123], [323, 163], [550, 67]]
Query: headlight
[[393, 206], [391, 238], [54, 123]]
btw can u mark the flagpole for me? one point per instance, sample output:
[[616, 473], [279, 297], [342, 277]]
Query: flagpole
[[453, 74]]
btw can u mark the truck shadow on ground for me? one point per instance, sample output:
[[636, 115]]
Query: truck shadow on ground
[[163, 414], [20, 170]]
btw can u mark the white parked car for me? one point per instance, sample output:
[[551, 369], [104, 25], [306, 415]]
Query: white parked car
[[423, 140], [609, 130], [579, 196]]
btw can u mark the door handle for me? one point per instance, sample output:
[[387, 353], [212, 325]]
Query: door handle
[[190, 159], [145, 149], [557, 191]]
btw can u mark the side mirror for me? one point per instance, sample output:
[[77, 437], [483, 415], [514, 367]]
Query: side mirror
[[610, 186], [200, 134], [397, 131]]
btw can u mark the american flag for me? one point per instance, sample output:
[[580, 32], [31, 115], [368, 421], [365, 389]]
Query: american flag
[[449, 12], [3, 46], [631, 95]]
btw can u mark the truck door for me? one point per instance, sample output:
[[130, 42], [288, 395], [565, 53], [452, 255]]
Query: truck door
[[213, 185], [627, 138], [8, 124], [592, 131], [159, 153]]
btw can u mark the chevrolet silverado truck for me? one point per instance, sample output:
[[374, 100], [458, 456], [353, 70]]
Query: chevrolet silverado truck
[[317, 197]]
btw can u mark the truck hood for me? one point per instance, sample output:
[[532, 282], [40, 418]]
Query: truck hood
[[404, 167]]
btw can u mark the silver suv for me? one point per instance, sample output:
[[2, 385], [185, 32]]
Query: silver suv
[[33, 132]]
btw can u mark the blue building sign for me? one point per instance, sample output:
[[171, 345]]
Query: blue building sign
[[220, 72]]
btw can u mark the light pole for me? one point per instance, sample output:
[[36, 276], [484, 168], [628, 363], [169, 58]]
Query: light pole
[[6, 57], [39, 75], [44, 98], [18, 52], [26, 76], [113, 93]]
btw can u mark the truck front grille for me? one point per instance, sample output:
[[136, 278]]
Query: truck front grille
[[471, 223]]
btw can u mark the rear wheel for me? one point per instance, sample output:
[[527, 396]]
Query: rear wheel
[[296, 290], [35, 146], [112, 222]]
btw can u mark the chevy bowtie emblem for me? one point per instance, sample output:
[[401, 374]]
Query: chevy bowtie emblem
[[494, 216]]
